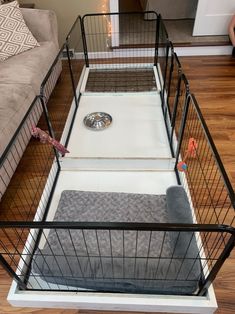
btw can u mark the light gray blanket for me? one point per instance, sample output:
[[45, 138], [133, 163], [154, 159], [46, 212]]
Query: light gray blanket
[[116, 260]]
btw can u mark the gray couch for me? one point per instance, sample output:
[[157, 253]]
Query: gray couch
[[20, 80]]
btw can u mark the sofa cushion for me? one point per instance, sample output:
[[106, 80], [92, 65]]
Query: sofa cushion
[[29, 67], [15, 37], [15, 101], [42, 24]]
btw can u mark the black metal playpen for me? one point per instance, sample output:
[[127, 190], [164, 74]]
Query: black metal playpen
[[179, 255]]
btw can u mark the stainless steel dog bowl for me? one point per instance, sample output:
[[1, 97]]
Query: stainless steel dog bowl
[[97, 120]]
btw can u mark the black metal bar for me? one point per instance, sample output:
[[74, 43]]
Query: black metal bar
[[175, 107], [72, 121], [51, 69], [163, 84], [50, 129], [163, 98], [182, 127], [175, 64], [164, 109], [84, 41], [165, 70], [121, 13], [168, 135], [179, 71], [219, 263], [182, 78], [157, 40], [170, 78], [71, 74], [215, 152], [11, 272], [118, 226], [181, 134]]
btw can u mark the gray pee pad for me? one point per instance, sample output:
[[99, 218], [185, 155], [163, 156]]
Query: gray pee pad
[[94, 259]]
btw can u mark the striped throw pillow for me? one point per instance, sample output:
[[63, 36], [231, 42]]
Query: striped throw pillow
[[15, 37]]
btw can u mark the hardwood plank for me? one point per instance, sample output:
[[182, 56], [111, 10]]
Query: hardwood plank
[[212, 80]]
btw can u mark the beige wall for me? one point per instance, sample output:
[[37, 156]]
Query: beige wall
[[68, 10]]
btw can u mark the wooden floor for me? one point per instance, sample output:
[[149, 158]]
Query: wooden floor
[[212, 80]]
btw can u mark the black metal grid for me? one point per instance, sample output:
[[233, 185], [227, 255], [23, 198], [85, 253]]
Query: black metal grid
[[23, 200], [70, 62], [129, 80], [211, 194], [121, 49], [16, 203], [172, 82]]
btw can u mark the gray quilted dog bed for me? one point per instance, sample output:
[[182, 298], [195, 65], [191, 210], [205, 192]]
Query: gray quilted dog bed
[[94, 260]]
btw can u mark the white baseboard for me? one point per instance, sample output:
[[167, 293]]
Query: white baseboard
[[181, 51], [203, 51]]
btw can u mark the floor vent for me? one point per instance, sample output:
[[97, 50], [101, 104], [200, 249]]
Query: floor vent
[[71, 53]]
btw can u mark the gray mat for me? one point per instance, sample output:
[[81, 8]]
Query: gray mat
[[94, 259]]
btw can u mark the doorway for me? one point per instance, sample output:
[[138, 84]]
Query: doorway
[[179, 17]]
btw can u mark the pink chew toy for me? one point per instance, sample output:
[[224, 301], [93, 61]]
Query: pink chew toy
[[44, 137]]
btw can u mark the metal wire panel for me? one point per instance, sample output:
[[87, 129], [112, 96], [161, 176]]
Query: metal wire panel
[[172, 88], [17, 203], [123, 80], [122, 50], [106, 268], [181, 95], [164, 53], [211, 193], [68, 66]]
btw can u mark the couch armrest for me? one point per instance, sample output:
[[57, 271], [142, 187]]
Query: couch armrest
[[42, 24]]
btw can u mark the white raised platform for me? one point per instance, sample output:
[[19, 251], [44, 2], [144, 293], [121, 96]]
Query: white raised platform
[[137, 129], [132, 156], [114, 302], [136, 139], [144, 182]]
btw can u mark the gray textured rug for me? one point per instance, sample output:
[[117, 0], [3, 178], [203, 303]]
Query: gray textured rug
[[111, 207], [116, 260]]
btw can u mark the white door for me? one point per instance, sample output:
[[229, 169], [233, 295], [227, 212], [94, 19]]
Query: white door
[[114, 20], [213, 17]]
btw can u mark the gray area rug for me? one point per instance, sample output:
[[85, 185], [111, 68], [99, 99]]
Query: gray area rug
[[117, 260]]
